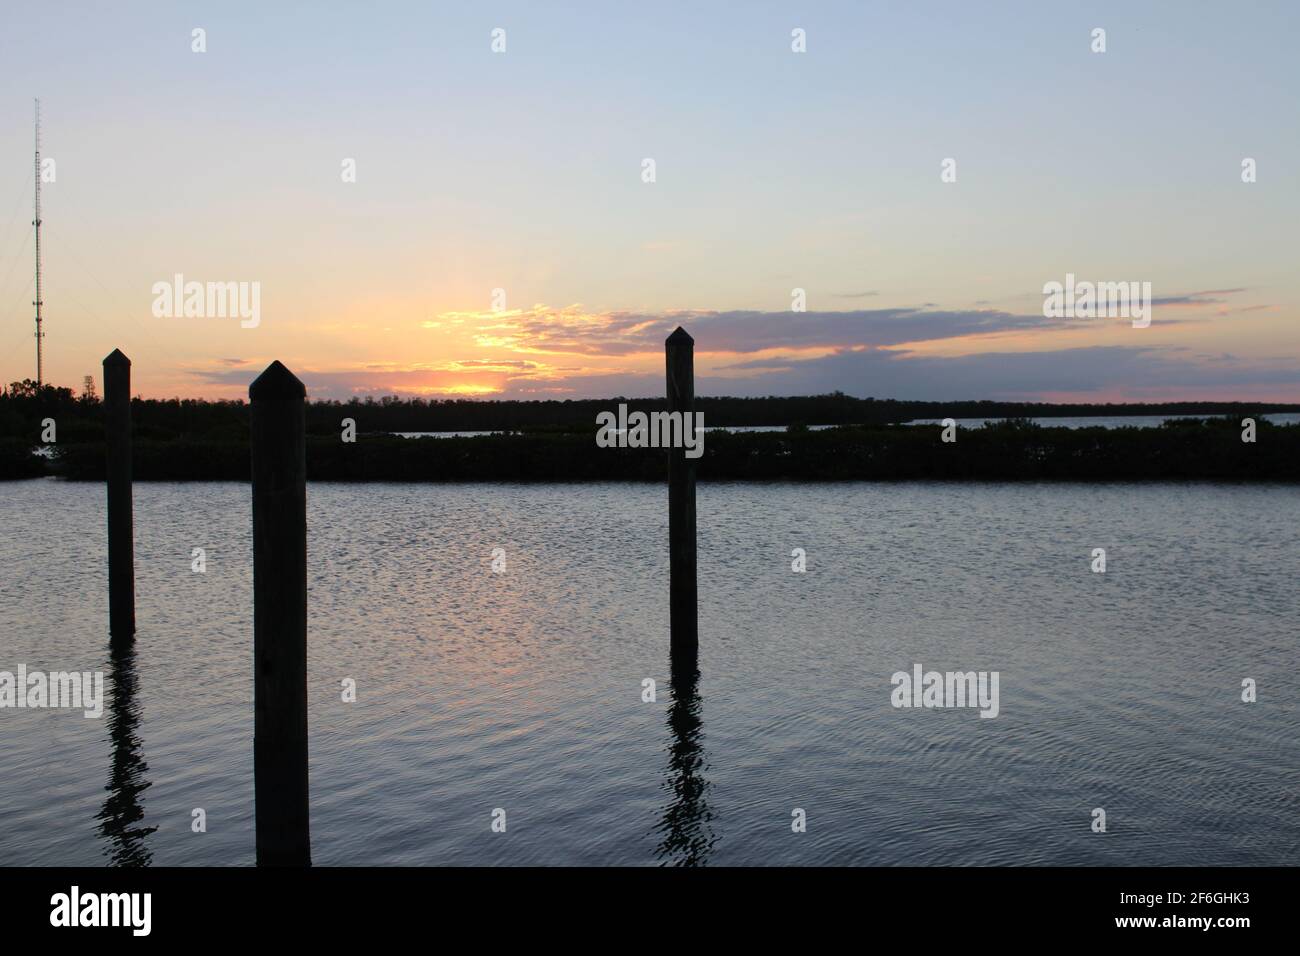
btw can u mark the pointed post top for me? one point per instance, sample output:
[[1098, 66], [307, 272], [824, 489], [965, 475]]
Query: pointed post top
[[116, 357], [277, 382], [679, 337]]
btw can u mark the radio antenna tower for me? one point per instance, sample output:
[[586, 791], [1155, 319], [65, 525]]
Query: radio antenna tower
[[40, 367]]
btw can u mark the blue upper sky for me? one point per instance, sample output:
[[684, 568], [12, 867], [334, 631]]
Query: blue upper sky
[[774, 171]]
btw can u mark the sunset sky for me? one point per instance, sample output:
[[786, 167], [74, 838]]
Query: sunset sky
[[775, 170]]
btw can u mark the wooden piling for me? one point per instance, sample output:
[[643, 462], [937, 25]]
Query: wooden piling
[[121, 545], [278, 433], [679, 355]]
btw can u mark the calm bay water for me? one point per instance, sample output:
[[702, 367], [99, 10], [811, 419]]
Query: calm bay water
[[523, 690]]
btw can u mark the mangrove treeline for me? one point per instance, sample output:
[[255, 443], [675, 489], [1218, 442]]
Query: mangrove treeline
[[23, 407], [1207, 449], [195, 440]]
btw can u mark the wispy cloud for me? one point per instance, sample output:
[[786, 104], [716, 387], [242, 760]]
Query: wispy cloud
[[1209, 297], [572, 330]]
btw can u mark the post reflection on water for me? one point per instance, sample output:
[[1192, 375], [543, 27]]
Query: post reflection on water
[[120, 818], [686, 833]]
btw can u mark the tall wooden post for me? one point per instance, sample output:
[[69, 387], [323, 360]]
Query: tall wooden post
[[679, 354], [278, 432], [121, 545]]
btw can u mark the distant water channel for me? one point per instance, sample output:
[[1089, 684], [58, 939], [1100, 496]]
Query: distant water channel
[[1085, 421]]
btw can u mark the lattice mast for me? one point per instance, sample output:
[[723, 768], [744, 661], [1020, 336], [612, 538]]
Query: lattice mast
[[40, 364]]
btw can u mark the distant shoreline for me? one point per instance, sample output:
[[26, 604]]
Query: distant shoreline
[[1188, 449], [809, 438]]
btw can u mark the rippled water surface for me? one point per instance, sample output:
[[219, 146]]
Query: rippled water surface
[[523, 690]]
